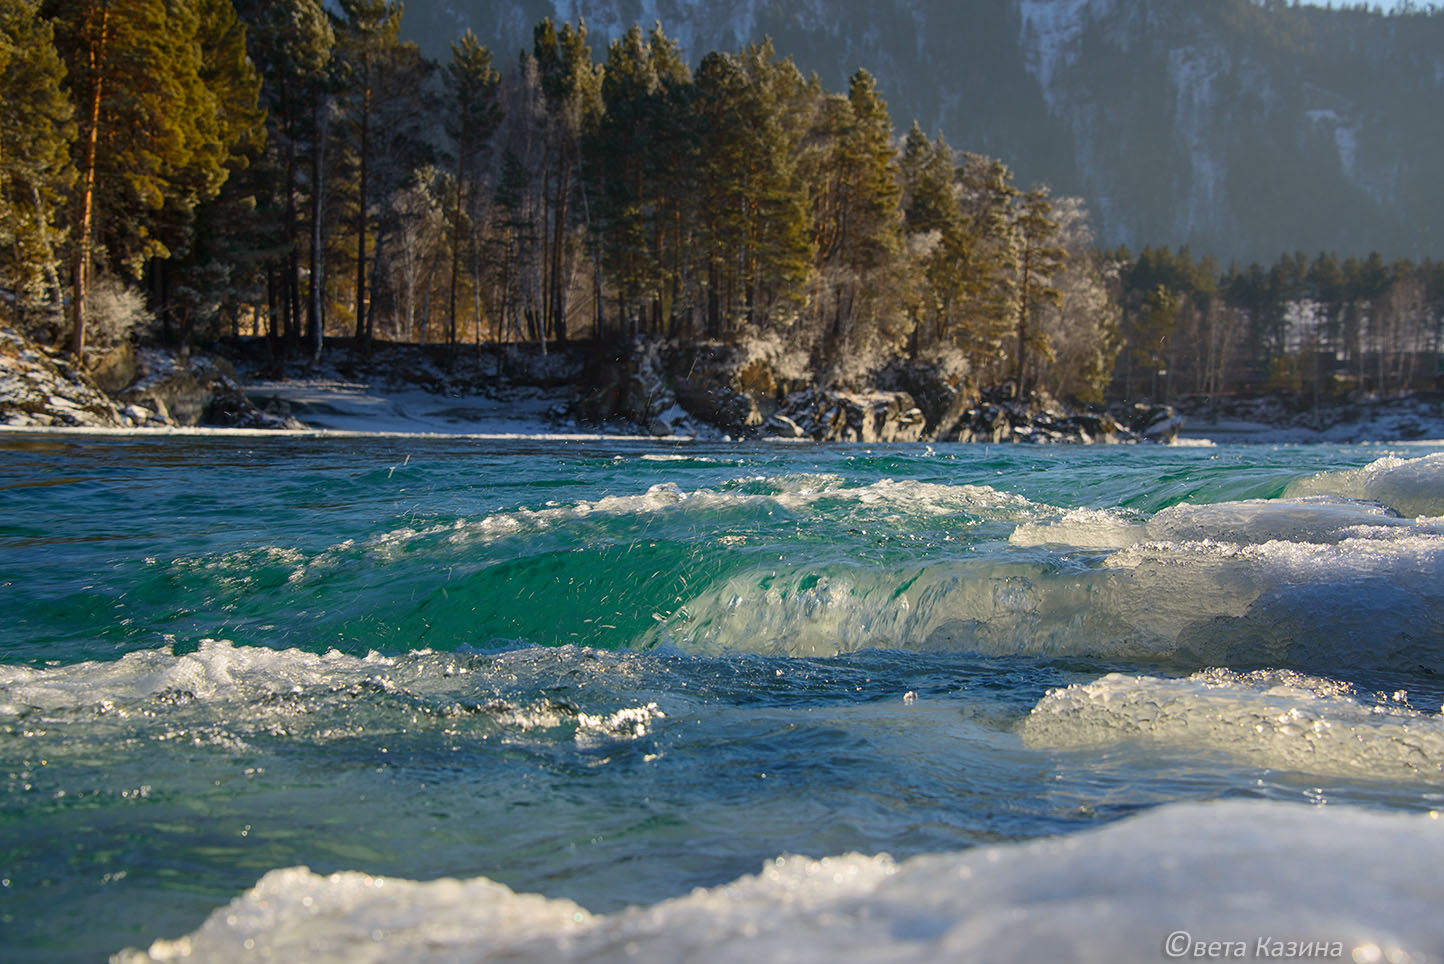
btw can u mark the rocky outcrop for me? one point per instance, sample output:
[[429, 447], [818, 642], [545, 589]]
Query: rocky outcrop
[[43, 388], [997, 417], [633, 389], [712, 389], [1152, 423], [826, 415], [195, 390]]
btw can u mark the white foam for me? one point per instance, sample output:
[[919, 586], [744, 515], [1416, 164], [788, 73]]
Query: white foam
[[1310, 519], [217, 669], [1090, 528], [234, 694], [791, 493], [1280, 720], [1415, 487], [1231, 871]]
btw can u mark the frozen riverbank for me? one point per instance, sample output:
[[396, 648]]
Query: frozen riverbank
[[524, 393], [1272, 421]]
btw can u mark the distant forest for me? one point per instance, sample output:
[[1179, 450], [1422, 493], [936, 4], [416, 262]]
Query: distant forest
[[183, 170]]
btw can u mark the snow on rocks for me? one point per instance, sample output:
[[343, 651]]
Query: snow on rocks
[[836, 416], [43, 388]]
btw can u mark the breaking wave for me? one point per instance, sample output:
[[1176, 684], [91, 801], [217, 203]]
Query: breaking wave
[[1313, 582], [243, 691]]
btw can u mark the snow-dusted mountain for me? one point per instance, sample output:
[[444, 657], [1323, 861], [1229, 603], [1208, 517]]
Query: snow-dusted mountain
[[1241, 129]]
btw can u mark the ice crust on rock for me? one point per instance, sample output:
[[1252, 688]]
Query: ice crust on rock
[[1275, 719], [1236, 870]]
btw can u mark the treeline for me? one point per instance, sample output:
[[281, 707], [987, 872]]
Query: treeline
[[280, 167], [292, 169], [1320, 326]]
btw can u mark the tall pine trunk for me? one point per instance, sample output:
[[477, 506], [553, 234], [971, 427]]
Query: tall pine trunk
[[85, 239], [455, 245], [361, 313], [318, 171]]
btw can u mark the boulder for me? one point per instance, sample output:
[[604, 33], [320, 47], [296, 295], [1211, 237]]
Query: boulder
[[1152, 422], [114, 368], [197, 390]]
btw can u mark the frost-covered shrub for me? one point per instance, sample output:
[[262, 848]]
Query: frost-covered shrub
[[769, 351], [114, 313], [951, 362]]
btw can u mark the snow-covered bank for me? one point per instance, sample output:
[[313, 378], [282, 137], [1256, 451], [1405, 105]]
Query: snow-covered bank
[[408, 390], [1272, 421], [574, 392], [399, 392], [40, 388], [338, 404]]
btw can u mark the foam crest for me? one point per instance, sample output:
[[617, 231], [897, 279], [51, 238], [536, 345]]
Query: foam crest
[[1234, 871], [589, 729], [1312, 519], [818, 495], [216, 670], [1279, 720], [793, 493], [1415, 487]]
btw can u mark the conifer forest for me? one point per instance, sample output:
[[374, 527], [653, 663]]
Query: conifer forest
[[185, 171]]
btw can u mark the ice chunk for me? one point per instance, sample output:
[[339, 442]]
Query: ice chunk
[[1413, 486], [1280, 720], [1360, 884]]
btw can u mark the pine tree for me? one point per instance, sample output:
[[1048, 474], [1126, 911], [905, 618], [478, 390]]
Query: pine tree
[[620, 148], [753, 239], [291, 43], [153, 139], [215, 257], [934, 224], [1039, 259], [989, 258], [571, 86], [36, 133], [473, 114], [860, 225], [781, 243], [370, 32], [1082, 330]]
